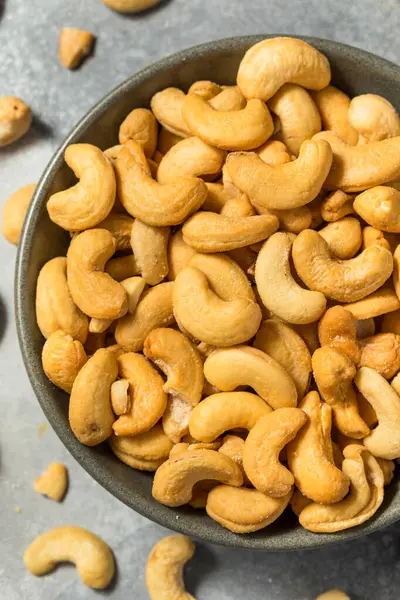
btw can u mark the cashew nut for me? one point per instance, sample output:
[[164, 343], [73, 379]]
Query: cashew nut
[[291, 221], [190, 157], [62, 359], [380, 207], [374, 118], [53, 483], [333, 595], [167, 108], [120, 227], [336, 205], [205, 89], [166, 141], [120, 398], [179, 255], [73, 46], [149, 245], [15, 119], [378, 303], [14, 211], [233, 446], [140, 125], [273, 152], [343, 237], [144, 451], [164, 569], [122, 267], [333, 105], [373, 236]]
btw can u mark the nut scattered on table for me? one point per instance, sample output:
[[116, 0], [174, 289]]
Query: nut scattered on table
[[53, 483], [73, 46], [15, 119]]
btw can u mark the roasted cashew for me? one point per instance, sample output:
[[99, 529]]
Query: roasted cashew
[[336, 205], [380, 207], [15, 119], [284, 186], [344, 281], [273, 152], [291, 221], [333, 595], [373, 236], [244, 510], [284, 345], [190, 157], [151, 202], [357, 168], [233, 446], [381, 302], [120, 227], [226, 411], [164, 568], [280, 293], [298, 502], [174, 480], [90, 201], [343, 237], [153, 310], [144, 451], [149, 400], [229, 368], [166, 141], [334, 373], [62, 359], [55, 308], [268, 65], [167, 108], [140, 125], [263, 446], [92, 557], [309, 333], [122, 267], [94, 291], [324, 482], [120, 398], [73, 46], [384, 440], [90, 413], [205, 89], [130, 6], [53, 483], [179, 254], [333, 105], [149, 245], [374, 118], [14, 211], [214, 302]]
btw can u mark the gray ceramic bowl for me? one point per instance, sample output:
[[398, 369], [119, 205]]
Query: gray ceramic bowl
[[354, 71]]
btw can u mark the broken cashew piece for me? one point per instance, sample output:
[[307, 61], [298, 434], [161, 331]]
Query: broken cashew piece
[[120, 399], [62, 359], [204, 88], [14, 211], [140, 125], [15, 119], [92, 557], [144, 451], [190, 157], [374, 118], [273, 152], [53, 483], [149, 245], [333, 105], [336, 205], [73, 46], [380, 208], [343, 237], [164, 568]]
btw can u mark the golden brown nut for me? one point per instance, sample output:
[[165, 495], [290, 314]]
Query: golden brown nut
[[53, 483], [14, 211], [62, 359], [73, 46], [15, 119]]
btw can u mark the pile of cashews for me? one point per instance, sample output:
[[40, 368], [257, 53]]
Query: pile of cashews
[[227, 315]]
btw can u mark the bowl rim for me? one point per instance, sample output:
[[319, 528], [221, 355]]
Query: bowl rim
[[166, 518]]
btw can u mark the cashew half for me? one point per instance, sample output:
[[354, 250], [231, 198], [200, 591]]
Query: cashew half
[[374, 118], [149, 245], [144, 451], [14, 211], [73, 46], [53, 483], [380, 207], [62, 359], [15, 119], [343, 237], [140, 125], [164, 568], [333, 105], [190, 157]]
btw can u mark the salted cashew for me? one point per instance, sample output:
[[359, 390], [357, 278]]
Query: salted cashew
[[290, 221], [151, 202], [374, 118], [140, 125], [89, 201], [179, 254], [228, 368], [144, 451], [357, 168], [333, 595], [271, 63], [391, 322], [166, 141], [263, 446], [280, 293], [309, 333], [190, 157], [90, 413], [174, 480], [384, 440], [371, 236], [164, 568], [53, 483], [148, 399], [396, 271], [336, 205], [92, 557], [381, 302], [238, 206], [149, 245], [93, 290], [323, 483], [230, 98], [225, 411], [14, 211], [380, 207], [366, 495], [153, 310], [94, 342], [122, 267], [334, 373], [62, 359], [298, 115], [288, 349], [340, 280], [15, 119], [333, 105], [233, 446], [273, 152], [284, 186], [167, 107], [204, 88], [120, 227], [120, 398], [214, 302], [73, 46], [298, 501], [244, 510], [241, 129], [387, 467], [343, 237], [55, 308]]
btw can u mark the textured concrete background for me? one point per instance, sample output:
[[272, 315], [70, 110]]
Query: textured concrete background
[[368, 569]]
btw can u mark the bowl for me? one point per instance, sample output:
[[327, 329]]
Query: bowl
[[354, 71]]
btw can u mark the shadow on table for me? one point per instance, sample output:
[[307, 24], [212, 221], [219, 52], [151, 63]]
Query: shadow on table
[[196, 572], [39, 130], [3, 317]]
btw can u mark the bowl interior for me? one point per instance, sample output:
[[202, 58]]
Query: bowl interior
[[355, 72]]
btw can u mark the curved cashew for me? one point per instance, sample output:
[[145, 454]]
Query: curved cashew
[[384, 440], [356, 168], [211, 232], [268, 65], [94, 291], [179, 255], [130, 6], [62, 359], [323, 483], [225, 411], [14, 211], [144, 451], [120, 398], [334, 373], [55, 308], [336, 205], [90, 201], [164, 568], [280, 293], [380, 302], [190, 157], [244, 510], [380, 207], [333, 105], [151, 202], [284, 186], [174, 480], [149, 245], [166, 141], [263, 446], [149, 400], [233, 446], [229, 99], [167, 108], [205, 89], [374, 118], [15, 119], [344, 281], [122, 267], [288, 349], [153, 310], [242, 365], [343, 237], [333, 595], [120, 227], [53, 483], [92, 557], [140, 125], [366, 495]]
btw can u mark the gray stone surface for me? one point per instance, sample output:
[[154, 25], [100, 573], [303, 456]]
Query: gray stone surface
[[368, 569]]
